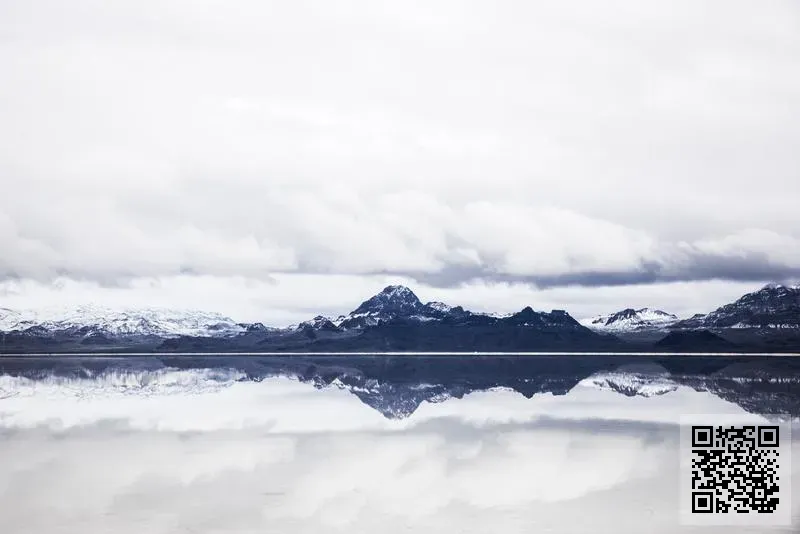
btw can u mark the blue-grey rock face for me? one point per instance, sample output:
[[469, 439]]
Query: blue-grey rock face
[[773, 306], [392, 301]]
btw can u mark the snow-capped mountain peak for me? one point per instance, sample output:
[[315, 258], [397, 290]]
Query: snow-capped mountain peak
[[393, 300], [632, 319], [391, 303], [774, 286], [771, 286]]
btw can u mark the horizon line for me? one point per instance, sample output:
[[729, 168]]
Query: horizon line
[[388, 353]]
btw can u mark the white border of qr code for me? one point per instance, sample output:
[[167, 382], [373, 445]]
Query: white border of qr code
[[692, 498]]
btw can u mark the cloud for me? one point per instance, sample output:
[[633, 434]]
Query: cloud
[[442, 143], [405, 234]]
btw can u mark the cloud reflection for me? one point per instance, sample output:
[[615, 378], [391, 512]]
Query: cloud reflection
[[282, 456]]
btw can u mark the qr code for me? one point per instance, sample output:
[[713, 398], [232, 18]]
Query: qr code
[[737, 470]]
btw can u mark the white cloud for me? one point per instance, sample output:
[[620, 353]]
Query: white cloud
[[771, 245], [445, 141]]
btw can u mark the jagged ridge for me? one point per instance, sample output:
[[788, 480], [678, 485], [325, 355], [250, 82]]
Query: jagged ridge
[[396, 319], [772, 306]]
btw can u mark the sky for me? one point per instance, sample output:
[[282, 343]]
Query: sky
[[270, 159], [180, 452]]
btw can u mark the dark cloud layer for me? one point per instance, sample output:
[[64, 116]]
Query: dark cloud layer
[[702, 268]]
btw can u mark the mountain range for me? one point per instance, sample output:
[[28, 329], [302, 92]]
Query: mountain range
[[395, 319], [397, 386]]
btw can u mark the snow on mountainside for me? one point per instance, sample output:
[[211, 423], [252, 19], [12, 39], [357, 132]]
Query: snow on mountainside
[[772, 306], [121, 322], [630, 320], [393, 300], [320, 322], [439, 306], [9, 319]]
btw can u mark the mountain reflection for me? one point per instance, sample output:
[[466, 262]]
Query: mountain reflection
[[396, 386]]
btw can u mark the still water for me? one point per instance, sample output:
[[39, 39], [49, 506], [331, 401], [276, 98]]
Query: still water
[[401, 443]]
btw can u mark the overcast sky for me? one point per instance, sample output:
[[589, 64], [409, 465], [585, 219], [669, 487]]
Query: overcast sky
[[274, 159]]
